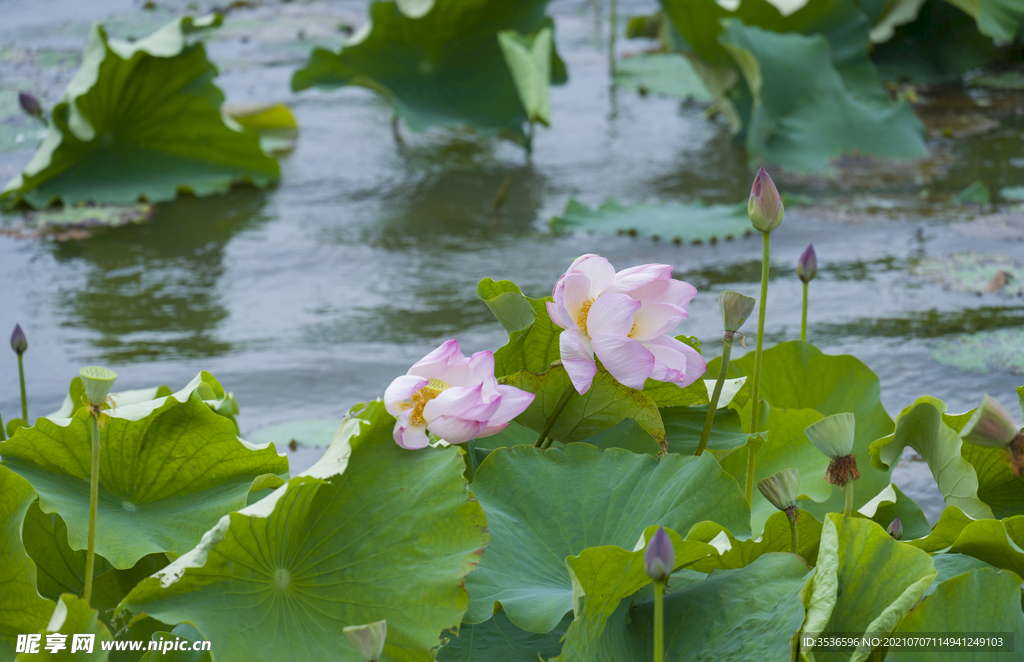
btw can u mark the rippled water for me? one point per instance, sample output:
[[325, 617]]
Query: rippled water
[[312, 296]]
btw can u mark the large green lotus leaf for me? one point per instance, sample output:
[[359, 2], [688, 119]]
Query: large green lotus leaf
[[444, 68], [864, 582], [170, 468], [787, 447], [806, 113], [945, 532], [776, 537], [140, 120], [891, 503], [744, 614], [684, 425], [72, 616], [982, 600], [529, 60], [22, 609], [664, 74], [998, 543], [508, 303], [534, 345], [922, 427], [181, 632], [952, 565], [392, 537], [605, 405], [499, 639], [1003, 20], [680, 223], [543, 506], [59, 569], [797, 375]]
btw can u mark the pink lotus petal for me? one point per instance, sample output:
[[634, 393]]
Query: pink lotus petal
[[456, 430], [463, 401], [611, 313], [514, 401], [401, 389], [629, 362], [491, 430], [481, 371], [433, 364], [555, 313], [577, 360], [575, 295], [677, 355], [672, 291], [634, 278], [656, 320], [599, 270], [411, 437]]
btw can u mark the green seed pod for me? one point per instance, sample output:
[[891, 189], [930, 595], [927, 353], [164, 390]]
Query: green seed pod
[[97, 383], [781, 489], [832, 435], [736, 308], [990, 425], [368, 640]]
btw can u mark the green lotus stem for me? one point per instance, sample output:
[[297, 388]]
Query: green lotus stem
[[848, 508], [659, 622], [613, 28], [794, 532], [94, 495], [471, 459], [713, 406], [803, 318], [550, 423], [755, 406], [24, 398]]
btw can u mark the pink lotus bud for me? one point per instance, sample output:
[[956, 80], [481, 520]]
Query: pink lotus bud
[[765, 205], [807, 266], [660, 557], [30, 105], [18, 341], [895, 529]]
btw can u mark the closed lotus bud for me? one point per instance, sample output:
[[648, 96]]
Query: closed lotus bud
[[765, 205], [30, 105], [368, 640], [895, 529], [990, 425], [18, 341], [807, 265], [736, 308], [660, 557], [97, 383], [781, 489]]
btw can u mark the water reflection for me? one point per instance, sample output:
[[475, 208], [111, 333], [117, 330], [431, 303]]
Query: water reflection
[[150, 291]]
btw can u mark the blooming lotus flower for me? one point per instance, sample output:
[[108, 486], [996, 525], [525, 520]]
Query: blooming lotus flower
[[624, 319], [455, 397]]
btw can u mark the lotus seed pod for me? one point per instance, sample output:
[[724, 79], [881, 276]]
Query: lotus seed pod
[[97, 383], [765, 205], [18, 341], [807, 265], [990, 425], [368, 640], [781, 489], [895, 529], [30, 104], [736, 308], [660, 557], [832, 435]]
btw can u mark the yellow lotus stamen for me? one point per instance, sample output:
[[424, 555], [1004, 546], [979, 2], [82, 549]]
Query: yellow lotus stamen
[[418, 400], [581, 318]]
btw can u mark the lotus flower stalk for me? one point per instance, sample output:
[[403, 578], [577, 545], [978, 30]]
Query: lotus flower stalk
[[781, 490], [736, 308], [806, 269], [659, 561], [765, 210], [19, 344], [97, 383]]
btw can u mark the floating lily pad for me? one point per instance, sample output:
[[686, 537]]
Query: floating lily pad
[[140, 121], [664, 74], [442, 67], [273, 123], [311, 433], [983, 352], [978, 273], [1013, 192], [680, 223], [1006, 80], [975, 194]]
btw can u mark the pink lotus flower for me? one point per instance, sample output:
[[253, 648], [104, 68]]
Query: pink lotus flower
[[455, 397], [624, 319]]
